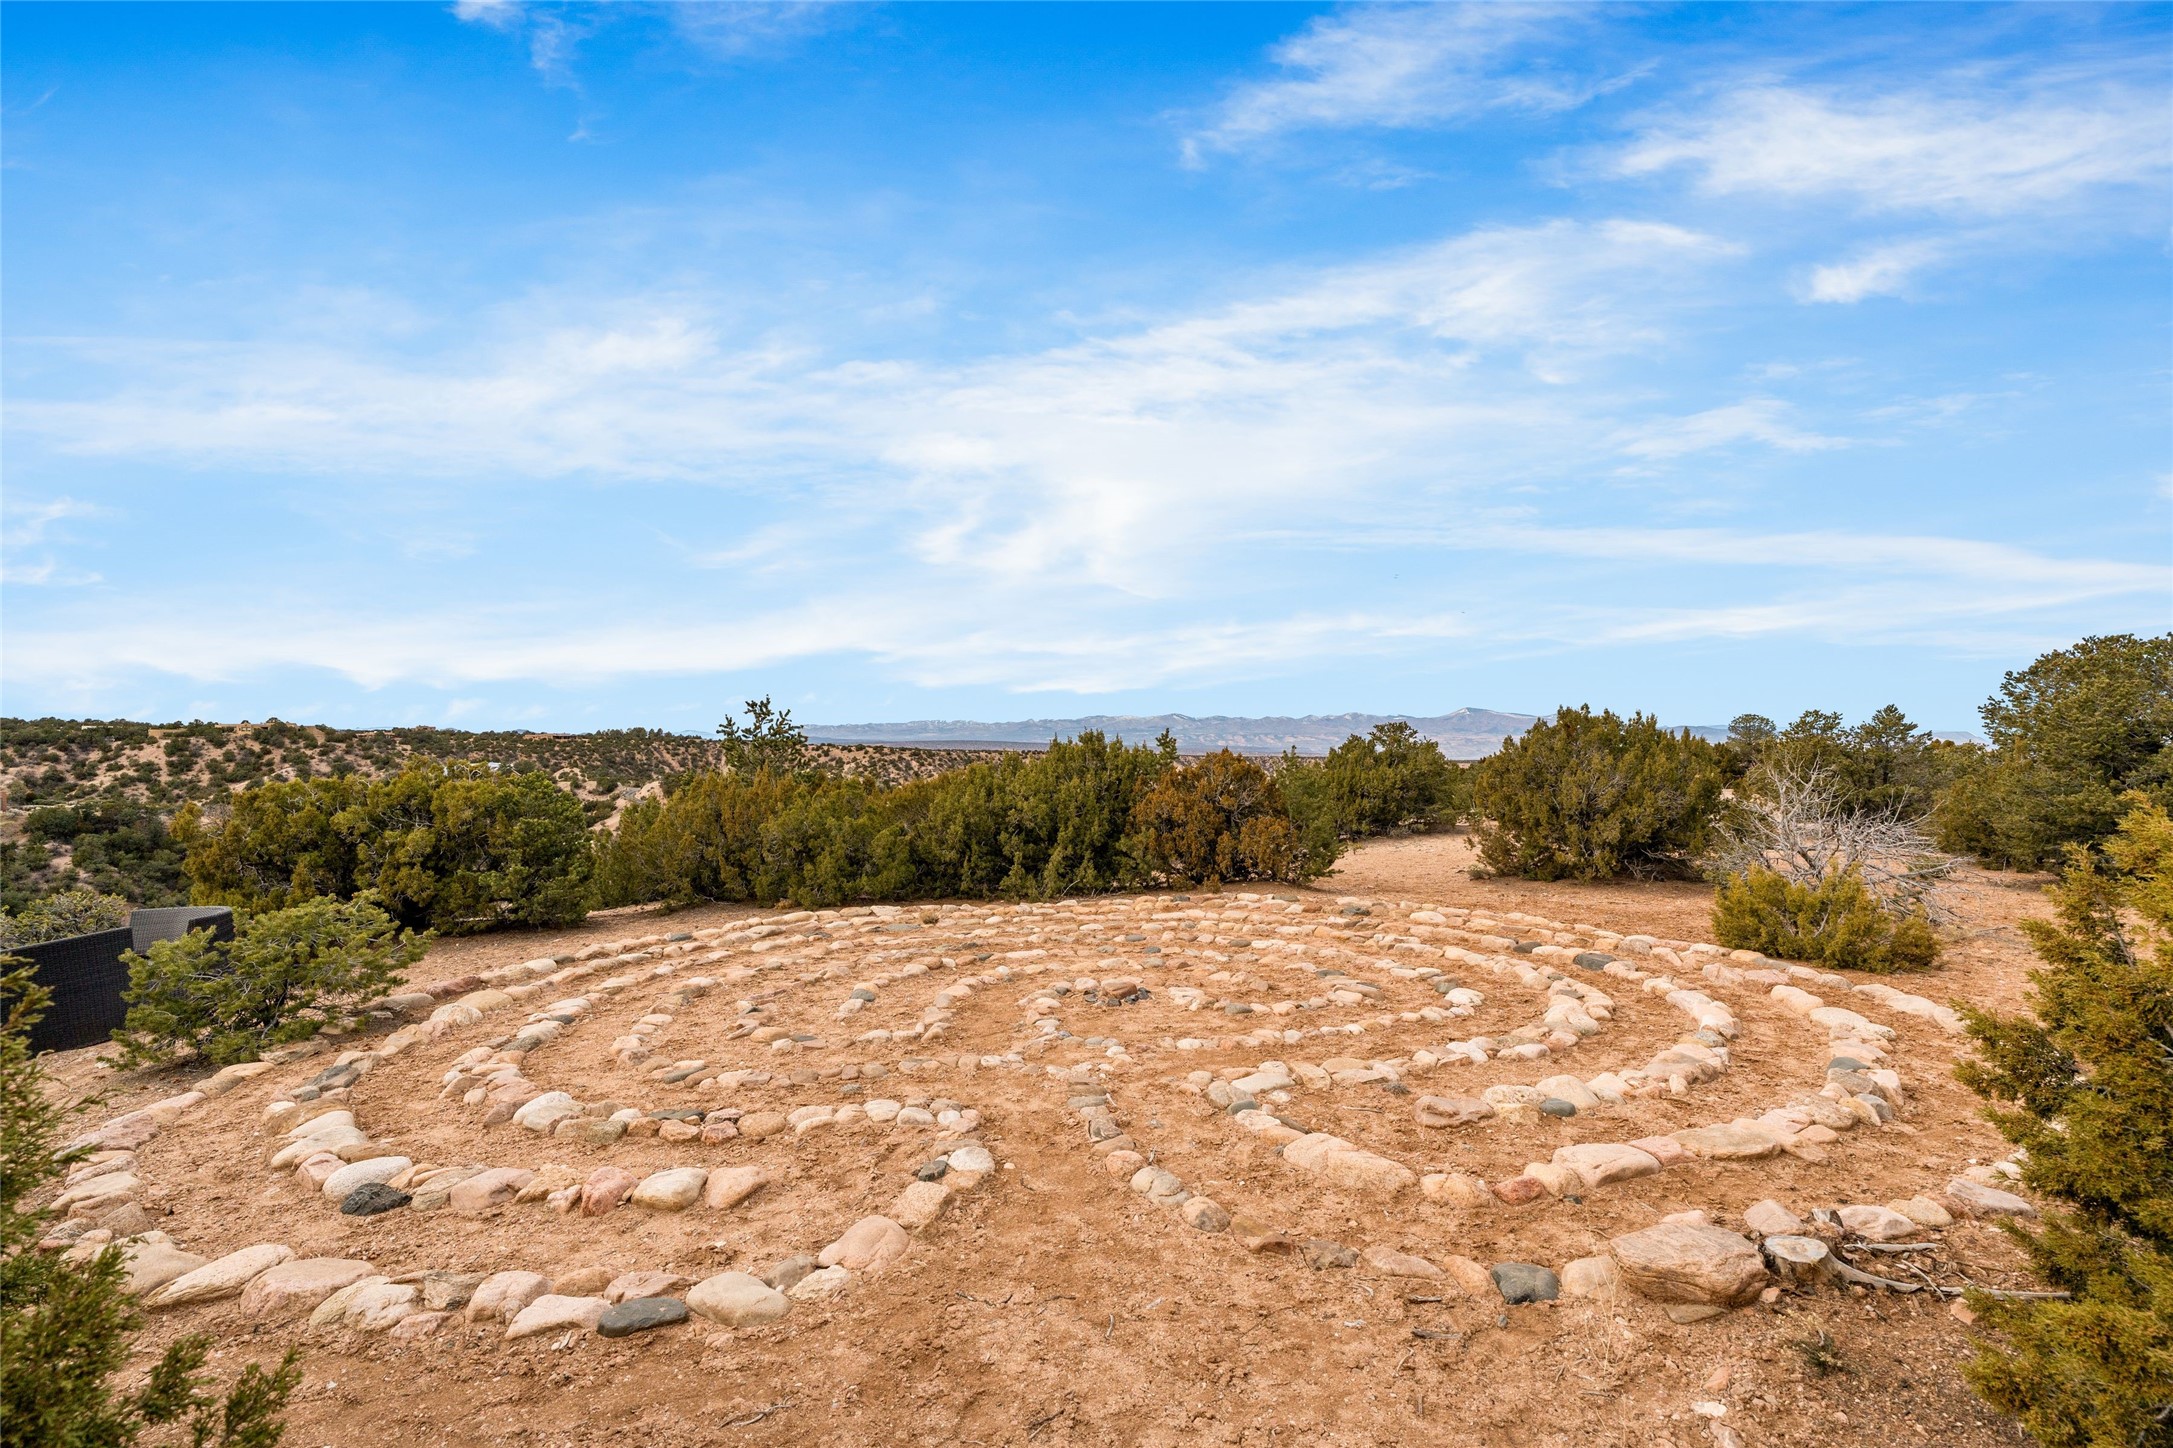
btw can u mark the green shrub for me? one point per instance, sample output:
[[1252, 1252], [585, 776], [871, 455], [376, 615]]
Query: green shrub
[[1593, 797], [1025, 826], [65, 1327], [1219, 820], [452, 847], [1837, 922], [55, 917], [283, 975], [2071, 734], [2084, 1085], [1373, 784]]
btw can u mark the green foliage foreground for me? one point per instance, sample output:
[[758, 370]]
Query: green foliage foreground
[[65, 1327], [282, 976], [2085, 1086]]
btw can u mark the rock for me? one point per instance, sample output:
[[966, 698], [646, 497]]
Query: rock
[[735, 1299], [728, 1186], [148, 1266], [584, 1282], [629, 1285], [640, 1314], [920, 1204], [1591, 1277], [485, 1191], [971, 1157], [1877, 1224], [1570, 1089], [372, 1198], [1259, 1237], [1523, 1282], [297, 1286], [541, 1113], [671, 1190], [1519, 1191], [1665, 1150], [758, 1124], [1205, 1215], [503, 1294], [1343, 1164], [1690, 1312], [1391, 1263], [1730, 1141], [790, 1270], [590, 1130], [869, 1245], [606, 1187], [222, 1278], [552, 1313], [1458, 1188], [1599, 1164], [361, 1173], [417, 1325], [1770, 1219], [1472, 1277], [1685, 1262], [823, 1282], [1321, 1254], [445, 1291], [371, 1305], [1445, 1111], [549, 1178], [1556, 1106], [1974, 1199], [1924, 1212]]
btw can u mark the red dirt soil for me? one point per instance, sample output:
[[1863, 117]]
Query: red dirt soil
[[1052, 1306]]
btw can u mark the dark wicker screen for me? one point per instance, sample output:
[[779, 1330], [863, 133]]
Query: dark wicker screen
[[86, 977]]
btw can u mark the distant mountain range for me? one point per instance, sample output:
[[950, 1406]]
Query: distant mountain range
[[1464, 734]]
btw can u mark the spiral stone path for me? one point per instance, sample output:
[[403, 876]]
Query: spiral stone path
[[830, 1087]]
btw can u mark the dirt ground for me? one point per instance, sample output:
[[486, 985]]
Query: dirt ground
[[1052, 1306]]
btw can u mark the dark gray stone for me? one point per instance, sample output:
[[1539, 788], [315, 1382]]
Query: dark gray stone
[[1592, 959], [932, 1171], [1523, 1282], [1556, 1106], [639, 1314], [371, 1198]]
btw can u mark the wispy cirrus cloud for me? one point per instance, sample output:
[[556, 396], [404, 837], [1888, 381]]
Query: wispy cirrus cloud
[[29, 534], [1882, 270], [1402, 66], [1968, 146]]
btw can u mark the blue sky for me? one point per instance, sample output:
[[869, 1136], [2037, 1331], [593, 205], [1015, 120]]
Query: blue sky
[[571, 367]]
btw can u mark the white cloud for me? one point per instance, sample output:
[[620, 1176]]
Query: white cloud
[[1764, 420], [25, 527], [1879, 271], [1399, 66], [1107, 455], [1967, 148]]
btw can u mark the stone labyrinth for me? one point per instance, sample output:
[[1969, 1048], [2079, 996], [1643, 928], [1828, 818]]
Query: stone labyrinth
[[833, 1082]]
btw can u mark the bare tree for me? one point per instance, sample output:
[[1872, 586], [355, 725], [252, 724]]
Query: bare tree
[[1790, 821]]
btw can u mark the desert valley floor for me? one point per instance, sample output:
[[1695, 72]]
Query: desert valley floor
[[1155, 1169]]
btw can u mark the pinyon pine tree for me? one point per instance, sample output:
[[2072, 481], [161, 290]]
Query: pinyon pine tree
[[2085, 1085], [65, 1326]]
